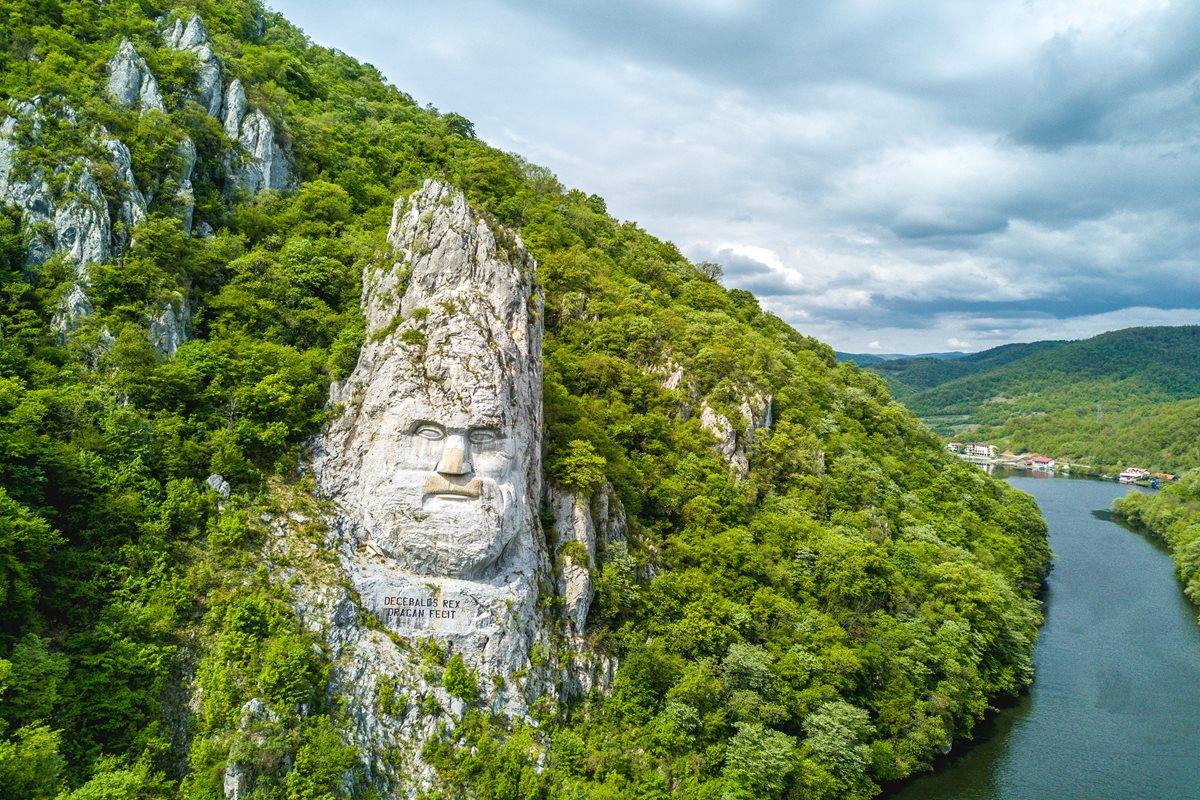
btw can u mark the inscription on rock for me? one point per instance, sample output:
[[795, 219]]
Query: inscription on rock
[[423, 612]]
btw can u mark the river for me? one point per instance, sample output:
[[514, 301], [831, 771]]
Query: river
[[1114, 712]]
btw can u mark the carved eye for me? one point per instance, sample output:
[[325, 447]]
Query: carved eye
[[430, 432], [483, 437]]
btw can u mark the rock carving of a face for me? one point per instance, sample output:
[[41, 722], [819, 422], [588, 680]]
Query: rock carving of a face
[[451, 493], [440, 453]]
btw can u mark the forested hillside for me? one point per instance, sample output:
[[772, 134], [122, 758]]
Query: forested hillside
[[829, 621], [1121, 398], [907, 376], [1174, 515]]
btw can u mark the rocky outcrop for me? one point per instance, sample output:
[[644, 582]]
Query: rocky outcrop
[[81, 231], [735, 437], [130, 82], [433, 470], [169, 329], [263, 163], [132, 208], [584, 527], [218, 484], [75, 307], [185, 195], [234, 110], [734, 433], [81, 224], [29, 194], [74, 221], [193, 38], [64, 208]]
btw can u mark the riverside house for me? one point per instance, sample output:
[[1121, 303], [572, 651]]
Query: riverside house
[[1134, 474]]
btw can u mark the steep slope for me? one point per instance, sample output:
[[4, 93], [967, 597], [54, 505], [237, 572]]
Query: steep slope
[[735, 567]]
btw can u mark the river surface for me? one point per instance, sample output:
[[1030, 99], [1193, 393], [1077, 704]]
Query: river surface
[[1114, 712]]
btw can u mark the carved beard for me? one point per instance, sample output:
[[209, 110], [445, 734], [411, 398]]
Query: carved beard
[[453, 536]]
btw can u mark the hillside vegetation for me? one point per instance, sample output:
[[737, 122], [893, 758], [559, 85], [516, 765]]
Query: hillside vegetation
[[906, 376], [830, 623], [1174, 515], [1125, 397]]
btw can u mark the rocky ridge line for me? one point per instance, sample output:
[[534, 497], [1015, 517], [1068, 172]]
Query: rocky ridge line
[[86, 226]]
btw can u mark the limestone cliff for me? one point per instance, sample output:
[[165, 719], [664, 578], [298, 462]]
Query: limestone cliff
[[66, 210], [734, 427], [584, 528], [736, 436], [433, 471], [193, 38], [130, 82]]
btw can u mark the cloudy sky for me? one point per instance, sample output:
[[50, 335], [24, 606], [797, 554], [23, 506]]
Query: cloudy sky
[[887, 176]]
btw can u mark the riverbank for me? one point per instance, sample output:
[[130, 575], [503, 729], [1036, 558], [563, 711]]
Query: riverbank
[[985, 456], [1111, 713], [1173, 516]]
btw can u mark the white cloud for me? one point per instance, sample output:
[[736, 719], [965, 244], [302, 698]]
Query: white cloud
[[876, 170]]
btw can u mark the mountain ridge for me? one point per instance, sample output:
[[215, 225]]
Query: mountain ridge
[[1120, 397]]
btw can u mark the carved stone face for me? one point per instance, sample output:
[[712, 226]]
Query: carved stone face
[[436, 460], [448, 491]]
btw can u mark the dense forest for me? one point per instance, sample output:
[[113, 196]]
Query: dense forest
[[827, 624], [907, 376], [1123, 398]]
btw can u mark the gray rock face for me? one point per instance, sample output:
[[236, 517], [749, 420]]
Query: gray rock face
[[434, 471], [218, 484], [264, 163], [734, 436], [75, 307], [235, 109], [734, 441], [185, 195], [130, 82], [169, 329], [81, 229], [582, 526], [266, 166], [77, 223], [81, 225], [31, 195], [234, 783], [8, 143], [133, 202], [193, 38]]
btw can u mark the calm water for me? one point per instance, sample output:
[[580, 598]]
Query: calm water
[[1115, 710]]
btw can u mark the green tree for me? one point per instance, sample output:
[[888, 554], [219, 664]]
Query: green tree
[[759, 761], [459, 680]]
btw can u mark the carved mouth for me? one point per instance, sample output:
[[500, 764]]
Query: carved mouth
[[452, 488]]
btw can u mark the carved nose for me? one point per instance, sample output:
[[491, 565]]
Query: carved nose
[[454, 457]]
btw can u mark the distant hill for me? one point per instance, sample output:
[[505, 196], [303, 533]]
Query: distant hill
[[1121, 397], [914, 373], [862, 359], [867, 359]]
